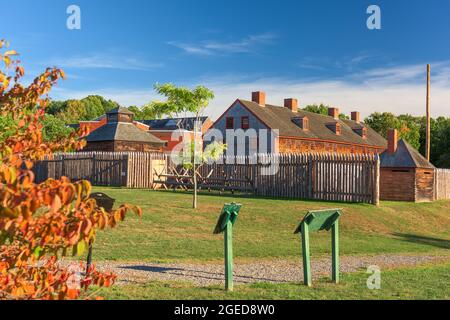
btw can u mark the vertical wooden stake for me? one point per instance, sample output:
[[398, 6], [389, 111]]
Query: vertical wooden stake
[[306, 259], [428, 134], [376, 191], [335, 252], [228, 237]]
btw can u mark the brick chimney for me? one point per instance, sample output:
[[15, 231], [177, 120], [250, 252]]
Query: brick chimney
[[259, 97], [291, 104], [356, 116], [392, 141], [333, 112]]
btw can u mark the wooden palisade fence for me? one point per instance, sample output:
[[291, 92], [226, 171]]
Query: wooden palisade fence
[[116, 169], [332, 177], [442, 184]]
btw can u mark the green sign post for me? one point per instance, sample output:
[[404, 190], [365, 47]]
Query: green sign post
[[225, 224], [317, 221]]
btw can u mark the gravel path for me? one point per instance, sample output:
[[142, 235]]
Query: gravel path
[[264, 271]]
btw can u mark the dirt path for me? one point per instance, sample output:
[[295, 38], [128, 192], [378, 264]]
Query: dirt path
[[273, 271]]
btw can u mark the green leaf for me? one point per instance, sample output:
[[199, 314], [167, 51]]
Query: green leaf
[[81, 247], [38, 251]]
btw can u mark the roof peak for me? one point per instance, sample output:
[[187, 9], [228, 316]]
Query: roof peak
[[405, 156], [119, 110], [280, 118]]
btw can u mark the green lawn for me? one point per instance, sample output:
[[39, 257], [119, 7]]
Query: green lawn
[[430, 282], [171, 230]]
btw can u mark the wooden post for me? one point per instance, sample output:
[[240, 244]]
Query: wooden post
[[94, 170], [427, 151], [306, 259], [335, 252], [314, 221], [194, 165], [310, 176], [376, 187], [228, 239], [63, 168]]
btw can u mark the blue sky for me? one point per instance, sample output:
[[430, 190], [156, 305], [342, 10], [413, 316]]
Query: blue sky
[[317, 51]]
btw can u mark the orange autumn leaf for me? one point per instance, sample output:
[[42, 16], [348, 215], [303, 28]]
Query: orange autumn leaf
[[46, 220]]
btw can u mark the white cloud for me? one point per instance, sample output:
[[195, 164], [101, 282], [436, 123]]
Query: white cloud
[[213, 47], [105, 61], [346, 64], [394, 90], [126, 97]]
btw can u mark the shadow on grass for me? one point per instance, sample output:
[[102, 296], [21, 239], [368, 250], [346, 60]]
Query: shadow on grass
[[435, 242], [200, 274], [228, 194], [151, 269]]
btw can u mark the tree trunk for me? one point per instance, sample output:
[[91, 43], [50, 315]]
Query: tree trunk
[[194, 203], [194, 165]]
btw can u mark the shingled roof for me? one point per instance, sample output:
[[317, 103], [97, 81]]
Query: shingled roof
[[172, 124], [404, 157], [118, 130], [122, 131], [276, 117]]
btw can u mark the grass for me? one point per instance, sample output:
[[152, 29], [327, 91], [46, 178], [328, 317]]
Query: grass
[[171, 230], [429, 282]]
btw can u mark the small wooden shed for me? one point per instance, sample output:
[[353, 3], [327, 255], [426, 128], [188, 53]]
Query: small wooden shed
[[405, 175]]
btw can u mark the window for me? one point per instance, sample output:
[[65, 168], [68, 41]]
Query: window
[[230, 123], [305, 124], [335, 127], [364, 133], [361, 131], [301, 122], [338, 129], [245, 123], [171, 123]]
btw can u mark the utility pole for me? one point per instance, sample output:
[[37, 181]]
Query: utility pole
[[427, 151]]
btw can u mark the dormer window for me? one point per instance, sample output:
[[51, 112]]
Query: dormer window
[[301, 122], [361, 131], [335, 127]]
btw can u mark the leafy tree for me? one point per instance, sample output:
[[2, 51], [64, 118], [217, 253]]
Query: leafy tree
[[406, 125], [7, 127], [54, 129], [322, 109], [317, 108], [39, 223], [137, 112], [184, 100], [73, 110], [413, 130], [150, 111], [382, 122], [56, 107], [409, 129], [440, 141], [96, 106]]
